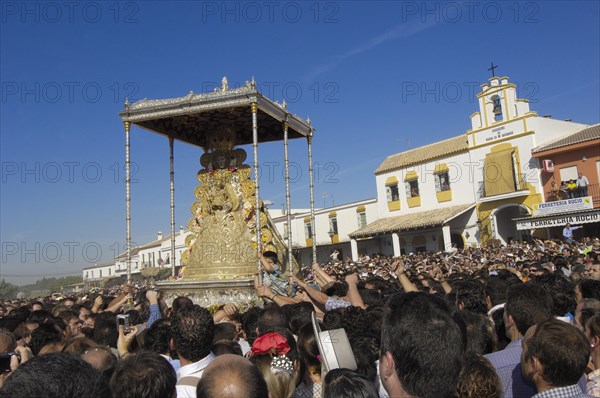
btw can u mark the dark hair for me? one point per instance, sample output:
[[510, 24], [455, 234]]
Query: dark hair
[[589, 288], [560, 289], [365, 352], [496, 289], [222, 347], [562, 350], [181, 302], [39, 317], [143, 375], [425, 342], [225, 331], [480, 332], [337, 289], [271, 317], [298, 315], [250, 323], [308, 348], [334, 319], [471, 295], [158, 337], [478, 378], [43, 335], [528, 304], [105, 329], [193, 331], [56, 375], [344, 383]]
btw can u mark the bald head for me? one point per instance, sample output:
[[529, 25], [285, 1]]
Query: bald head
[[232, 376]]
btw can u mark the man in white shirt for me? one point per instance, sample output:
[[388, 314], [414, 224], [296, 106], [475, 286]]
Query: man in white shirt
[[568, 233], [193, 331], [582, 185]]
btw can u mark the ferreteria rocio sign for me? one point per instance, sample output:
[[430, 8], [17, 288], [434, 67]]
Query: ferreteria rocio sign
[[559, 220], [563, 206]]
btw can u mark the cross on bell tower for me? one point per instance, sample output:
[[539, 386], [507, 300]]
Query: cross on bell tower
[[492, 69]]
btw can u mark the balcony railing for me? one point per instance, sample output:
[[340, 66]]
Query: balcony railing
[[520, 185], [593, 190]]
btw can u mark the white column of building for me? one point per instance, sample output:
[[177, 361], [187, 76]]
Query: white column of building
[[354, 249], [396, 244], [446, 237]]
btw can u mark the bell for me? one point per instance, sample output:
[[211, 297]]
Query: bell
[[497, 107]]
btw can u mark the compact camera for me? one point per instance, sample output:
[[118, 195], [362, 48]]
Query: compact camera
[[123, 320]]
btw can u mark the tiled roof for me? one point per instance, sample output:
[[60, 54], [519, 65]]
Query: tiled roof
[[424, 153], [586, 134], [423, 219]]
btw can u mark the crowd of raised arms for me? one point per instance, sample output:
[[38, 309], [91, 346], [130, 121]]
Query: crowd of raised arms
[[519, 321]]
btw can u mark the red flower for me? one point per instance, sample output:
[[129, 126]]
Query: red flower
[[270, 343]]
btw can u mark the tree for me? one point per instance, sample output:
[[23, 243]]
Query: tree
[[8, 290]]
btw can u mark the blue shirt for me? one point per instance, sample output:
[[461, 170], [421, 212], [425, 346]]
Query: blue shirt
[[508, 367]]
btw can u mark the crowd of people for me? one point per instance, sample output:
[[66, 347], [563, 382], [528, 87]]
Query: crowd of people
[[519, 321]]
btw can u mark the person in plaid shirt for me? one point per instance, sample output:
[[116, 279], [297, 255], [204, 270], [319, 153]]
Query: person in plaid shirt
[[555, 355]]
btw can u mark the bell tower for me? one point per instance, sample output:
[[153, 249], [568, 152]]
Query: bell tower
[[498, 102]]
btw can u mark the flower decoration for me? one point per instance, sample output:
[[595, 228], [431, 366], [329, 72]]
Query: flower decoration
[[271, 344], [282, 364]]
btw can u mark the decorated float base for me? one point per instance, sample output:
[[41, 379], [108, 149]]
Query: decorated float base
[[207, 293]]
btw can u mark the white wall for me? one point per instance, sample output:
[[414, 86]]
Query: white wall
[[460, 184]]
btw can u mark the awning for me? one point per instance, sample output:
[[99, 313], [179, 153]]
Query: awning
[[558, 220], [419, 220]]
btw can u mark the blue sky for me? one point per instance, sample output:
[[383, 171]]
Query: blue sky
[[375, 78]]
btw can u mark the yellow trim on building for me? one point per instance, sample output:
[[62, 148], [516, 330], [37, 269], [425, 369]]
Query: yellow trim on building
[[307, 219], [414, 201], [411, 175], [528, 114], [394, 205], [505, 106], [360, 209], [444, 196], [494, 89], [309, 242], [335, 238], [391, 180], [332, 214], [485, 115], [440, 168], [484, 210]]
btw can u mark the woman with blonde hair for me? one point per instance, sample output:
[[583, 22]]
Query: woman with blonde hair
[[275, 355]]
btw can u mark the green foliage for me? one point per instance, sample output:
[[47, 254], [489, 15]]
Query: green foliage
[[8, 290], [53, 284]]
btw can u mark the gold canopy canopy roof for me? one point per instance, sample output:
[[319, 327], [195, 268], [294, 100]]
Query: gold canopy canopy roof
[[191, 118]]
